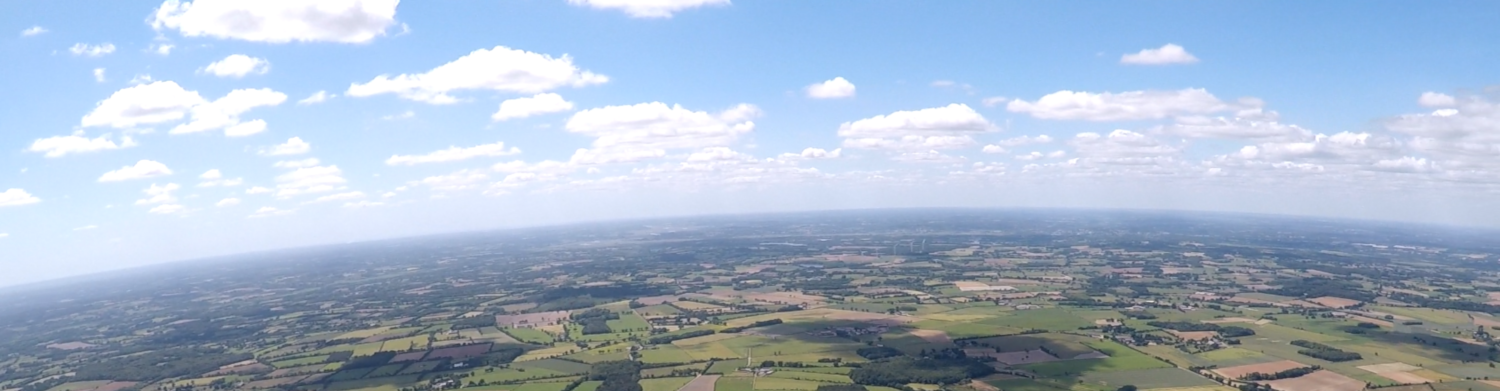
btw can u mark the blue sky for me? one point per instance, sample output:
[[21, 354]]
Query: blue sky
[[136, 132]]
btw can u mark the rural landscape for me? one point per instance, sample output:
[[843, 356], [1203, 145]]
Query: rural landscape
[[970, 300]]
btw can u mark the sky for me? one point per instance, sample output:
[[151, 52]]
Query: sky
[[141, 132]]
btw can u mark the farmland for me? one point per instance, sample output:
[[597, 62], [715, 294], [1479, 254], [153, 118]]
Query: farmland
[[846, 304]]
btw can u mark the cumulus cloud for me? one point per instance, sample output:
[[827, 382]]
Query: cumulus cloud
[[1124, 106], [1464, 132], [309, 180], [237, 66], [498, 69], [166, 101], [59, 146], [144, 104], [535, 105], [227, 202], [347, 196], [1122, 147], [292, 146], [86, 50], [308, 162], [269, 211], [947, 127], [812, 154], [456, 181], [278, 21], [648, 8], [994, 101], [99, 75], [831, 89], [17, 197], [648, 130], [215, 178], [1001, 147], [1250, 127], [162, 48], [1165, 55], [33, 31], [317, 97], [141, 170], [224, 113], [930, 156], [453, 153], [1435, 99], [159, 194]]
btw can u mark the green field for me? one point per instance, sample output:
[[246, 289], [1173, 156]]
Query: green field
[[1147, 378], [665, 354], [629, 322], [529, 335], [664, 383]]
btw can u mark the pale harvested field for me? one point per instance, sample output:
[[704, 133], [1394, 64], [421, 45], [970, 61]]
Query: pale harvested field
[[1015, 281], [1486, 321], [933, 336], [531, 320], [656, 300], [704, 339], [786, 298], [518, 307], [1373, 320], [1230, 320], [1194, 335], [695, 306], [700, 383], [825, 314], [1495, 383], [850, 258], [1405, 377], [1318, 381], [1389, 368], [1304, 303], [1335, 302], [1236, 372]]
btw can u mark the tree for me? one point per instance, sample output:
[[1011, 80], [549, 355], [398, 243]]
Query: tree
[[1127, 387]]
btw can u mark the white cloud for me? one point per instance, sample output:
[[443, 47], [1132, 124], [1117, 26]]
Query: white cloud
[[1166, 55], [4, 235], [647, 130], [1405, 164], [992, 148], [1124, 106], [349, 196], [141, 170], [278, 21], [994, 101], [317, 97], [59, 146], [87, 50], [162, 48], [832, 89], [292, 146], [1024, 140], [258, 190], [269, 211], [166, 209], [525, 107], [140, 79], [813, 154], [159, 194], [456, 181], [648, 8], [1434, 99], [1122, 147], [213, 178], [99, 75], [453, 154], [498, 69], [404, 115], [1463, 132], [1242, 128], [308, 162], [362, 204], [237, 66], [89, 227], [33, 31], [17, 197], [143, 104], [309, 180], [245, 128], [227, 202], [947, 127], [224, 113], [931, 156]]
